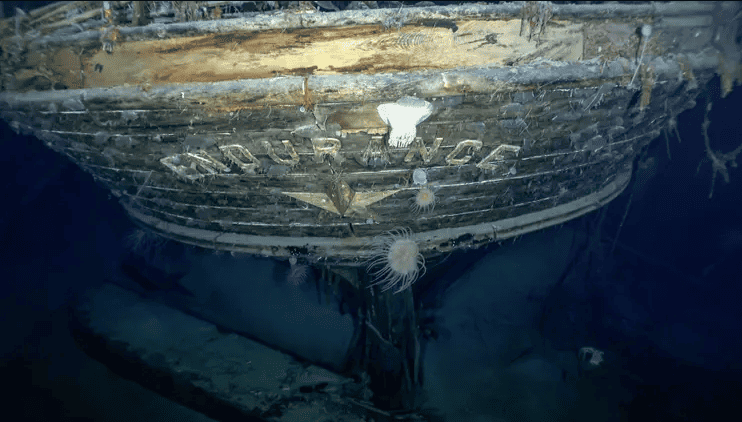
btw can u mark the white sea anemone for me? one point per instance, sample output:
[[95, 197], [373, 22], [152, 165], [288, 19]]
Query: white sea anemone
[[298, 273], [145, 243], [424, 200], [396, 261]]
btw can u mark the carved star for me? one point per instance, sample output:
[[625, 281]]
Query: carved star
[[360, 201]]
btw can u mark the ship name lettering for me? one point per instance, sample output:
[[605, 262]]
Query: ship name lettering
[[294, 160], [426, 153], [193, 166], [501, 153], [325, 146], [241, 157], [471, 144]]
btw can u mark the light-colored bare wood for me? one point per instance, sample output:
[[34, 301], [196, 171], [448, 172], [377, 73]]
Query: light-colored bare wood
[[362, 49]]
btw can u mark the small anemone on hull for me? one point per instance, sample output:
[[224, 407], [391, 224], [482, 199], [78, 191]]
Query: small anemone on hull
[[298, 273], [144, 243], [424, 201], [396, 261]]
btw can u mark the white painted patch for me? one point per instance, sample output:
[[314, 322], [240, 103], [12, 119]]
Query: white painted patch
[[403, 117]]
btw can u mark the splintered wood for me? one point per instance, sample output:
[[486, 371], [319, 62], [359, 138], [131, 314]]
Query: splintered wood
[[320, 51]]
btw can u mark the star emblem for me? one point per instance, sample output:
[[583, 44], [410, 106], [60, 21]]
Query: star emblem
[[358, 203]]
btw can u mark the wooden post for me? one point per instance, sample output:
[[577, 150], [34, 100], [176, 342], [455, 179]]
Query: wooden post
[[392, 347]]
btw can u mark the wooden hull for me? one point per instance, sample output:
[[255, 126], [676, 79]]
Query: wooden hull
[[311, 134]]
